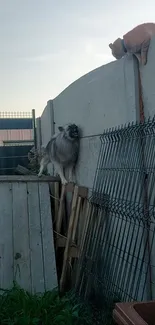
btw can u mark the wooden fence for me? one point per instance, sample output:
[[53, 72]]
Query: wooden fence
[[26, 234]]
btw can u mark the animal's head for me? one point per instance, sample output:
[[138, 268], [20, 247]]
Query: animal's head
[[71, 131], [117, 49]]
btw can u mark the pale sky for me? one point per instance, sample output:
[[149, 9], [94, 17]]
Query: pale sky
[[46, 45]]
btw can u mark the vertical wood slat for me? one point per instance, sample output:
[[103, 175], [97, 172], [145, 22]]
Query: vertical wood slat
[[26, 237], [76, 218], [60, 211], [87, 237], [97, 222], [6, 239], [75, 224], [69, 236], [79, 230], [47, 238], [22, 272], [85, 216], [56, 201], [36, 255]]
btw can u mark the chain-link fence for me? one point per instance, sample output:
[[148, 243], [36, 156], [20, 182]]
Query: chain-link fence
[[17, 137], [118, 261]]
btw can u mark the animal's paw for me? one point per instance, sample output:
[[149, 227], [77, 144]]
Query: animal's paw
[[64, 182], [71, 180], [143, 60], [39, 175]]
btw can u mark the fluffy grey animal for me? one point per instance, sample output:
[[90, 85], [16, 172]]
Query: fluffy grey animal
[[62, 150]]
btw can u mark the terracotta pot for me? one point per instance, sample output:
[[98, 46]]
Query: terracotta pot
[[135, 313]]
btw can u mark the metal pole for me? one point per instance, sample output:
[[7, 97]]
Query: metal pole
[[34, 129]]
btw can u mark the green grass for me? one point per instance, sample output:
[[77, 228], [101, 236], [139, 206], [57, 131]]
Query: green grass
[[18, 307]]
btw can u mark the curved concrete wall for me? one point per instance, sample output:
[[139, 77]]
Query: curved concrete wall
[[105, 97], [102, 98]]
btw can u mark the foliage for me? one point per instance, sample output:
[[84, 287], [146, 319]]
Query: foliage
[[18, 307]]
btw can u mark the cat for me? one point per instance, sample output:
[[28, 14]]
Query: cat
[[136, 42]]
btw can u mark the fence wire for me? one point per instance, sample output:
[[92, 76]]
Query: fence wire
[[15, 115], [17, 137], [118, 260]]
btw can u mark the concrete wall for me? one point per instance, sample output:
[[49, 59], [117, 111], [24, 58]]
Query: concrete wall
[[148, 82], [105, 97], [101, 99], [47, 123], [38, 132], [46, 126]]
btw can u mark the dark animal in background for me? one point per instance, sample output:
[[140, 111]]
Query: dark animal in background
[[62, 150]]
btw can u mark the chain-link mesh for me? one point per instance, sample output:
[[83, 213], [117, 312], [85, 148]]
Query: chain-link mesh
[[118, 260], [17, 137], [15, 115]]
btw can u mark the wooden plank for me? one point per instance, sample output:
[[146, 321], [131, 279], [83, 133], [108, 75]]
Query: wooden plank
[[86, 240], [73, 252], [56, 200], [83, 191], [36, 256], [24, 171], [76, 218], [75, 228], [60, 212], [85, 223], [95, 230], [61, 239], [69, 235], [86, 217], [81, 222], [50, 273], [22, 273], [28, 178], [79, 230], [6, 236], [73, 249]]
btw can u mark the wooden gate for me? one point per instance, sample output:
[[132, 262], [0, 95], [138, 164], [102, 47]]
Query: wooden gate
[[26, 234]]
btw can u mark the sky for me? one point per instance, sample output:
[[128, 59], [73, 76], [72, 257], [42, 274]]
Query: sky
[[45, 45]]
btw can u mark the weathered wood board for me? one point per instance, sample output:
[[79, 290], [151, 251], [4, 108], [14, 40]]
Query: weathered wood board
[[26, 236]]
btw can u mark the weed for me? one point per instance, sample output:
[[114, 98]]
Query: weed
[[18, 307]]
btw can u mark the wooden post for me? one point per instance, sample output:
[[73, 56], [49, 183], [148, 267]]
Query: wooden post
[[38, 133], [69, 236], [56, 200], [34, 129], [60, 212]]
